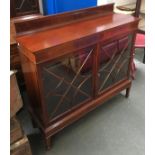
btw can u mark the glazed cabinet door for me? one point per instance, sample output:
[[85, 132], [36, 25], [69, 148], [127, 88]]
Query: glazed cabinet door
[[23, 7], [114, 60], [67, 82]]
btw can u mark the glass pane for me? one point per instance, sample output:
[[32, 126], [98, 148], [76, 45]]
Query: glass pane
[[25, 5], [114, 62], [67, 82]]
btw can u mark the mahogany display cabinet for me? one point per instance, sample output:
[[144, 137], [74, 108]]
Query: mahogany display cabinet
[[23, 7], [74, 62]]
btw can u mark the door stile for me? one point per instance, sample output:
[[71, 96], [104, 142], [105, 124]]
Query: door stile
[[95, 71]]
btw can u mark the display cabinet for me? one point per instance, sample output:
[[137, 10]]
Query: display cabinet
[[74, 62]]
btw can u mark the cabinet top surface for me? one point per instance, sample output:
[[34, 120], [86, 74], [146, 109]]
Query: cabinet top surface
[[48, 38]]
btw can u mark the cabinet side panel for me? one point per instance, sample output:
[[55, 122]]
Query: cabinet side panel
[[30, 75]]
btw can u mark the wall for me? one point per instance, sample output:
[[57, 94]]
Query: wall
[[118, 2]]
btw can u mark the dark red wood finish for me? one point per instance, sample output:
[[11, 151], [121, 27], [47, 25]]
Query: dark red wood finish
[[46, 43], [15, 63]]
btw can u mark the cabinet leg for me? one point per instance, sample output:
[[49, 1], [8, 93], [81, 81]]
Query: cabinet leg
[[48, 143], [144, 57], [127, 92]]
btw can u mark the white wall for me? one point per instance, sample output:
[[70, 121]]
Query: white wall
[[100, 2], [121, 2], [118, 2]]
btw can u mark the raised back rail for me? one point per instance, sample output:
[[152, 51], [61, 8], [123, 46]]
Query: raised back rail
[[52, 21]]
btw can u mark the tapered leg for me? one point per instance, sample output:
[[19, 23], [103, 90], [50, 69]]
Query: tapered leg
[[144, 57], [127, 92], [48, 143]]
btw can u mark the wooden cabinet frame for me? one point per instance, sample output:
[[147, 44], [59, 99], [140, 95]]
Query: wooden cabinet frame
[[110, 31], [17, 8]]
